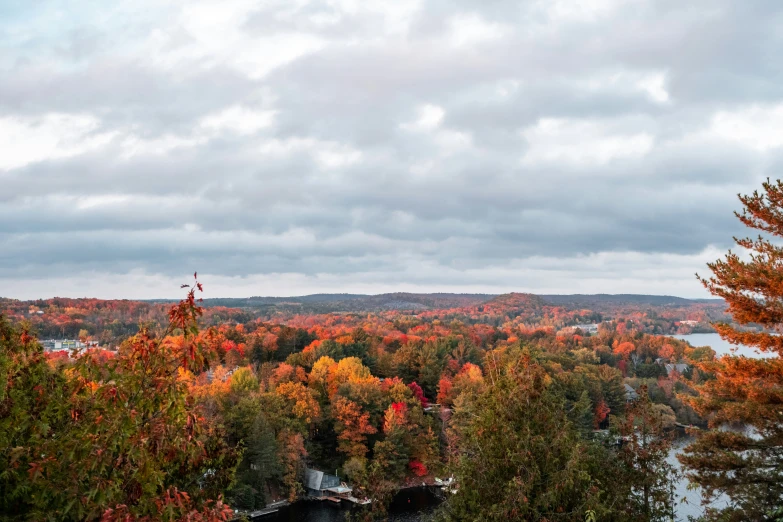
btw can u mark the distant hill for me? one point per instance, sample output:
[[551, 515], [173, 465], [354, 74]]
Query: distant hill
[[261, 301], [322, 303], [326, 303], [514, 300], [588, 300]]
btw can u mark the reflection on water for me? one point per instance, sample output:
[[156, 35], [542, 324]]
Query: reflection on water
[[410, 505], [417, 504], [688, 502]]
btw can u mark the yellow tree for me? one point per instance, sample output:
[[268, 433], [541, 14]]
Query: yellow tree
[[320, 375], [303, 404]]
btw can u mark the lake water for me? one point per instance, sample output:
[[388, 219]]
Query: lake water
[[409, 505], [688, 502], [720, 346], [418, 504]]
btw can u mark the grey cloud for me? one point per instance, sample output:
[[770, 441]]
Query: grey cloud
[[342, 183], [126, 93]]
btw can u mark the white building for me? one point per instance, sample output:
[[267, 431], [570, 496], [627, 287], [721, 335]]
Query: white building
[[55, 345]]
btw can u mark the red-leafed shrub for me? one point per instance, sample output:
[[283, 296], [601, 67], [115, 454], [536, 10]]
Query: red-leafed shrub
[[419, 394], [417, 468]]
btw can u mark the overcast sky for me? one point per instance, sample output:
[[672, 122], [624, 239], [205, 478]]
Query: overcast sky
[[285, 147]]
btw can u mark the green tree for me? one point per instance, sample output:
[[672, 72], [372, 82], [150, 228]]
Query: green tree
[[648, 476], [132, 443], [581, 413], [33, 406], [260, 467], [517, 456]]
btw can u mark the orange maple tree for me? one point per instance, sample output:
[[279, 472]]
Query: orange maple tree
[[353, 426]]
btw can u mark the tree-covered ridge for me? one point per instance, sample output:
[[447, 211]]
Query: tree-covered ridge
[[108, 322], [325, 303]]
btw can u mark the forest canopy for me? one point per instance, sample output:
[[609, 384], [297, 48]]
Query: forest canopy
[[227, 407]]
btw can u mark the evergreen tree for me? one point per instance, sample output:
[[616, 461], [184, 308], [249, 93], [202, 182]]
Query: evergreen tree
[[517, 455], [582, 413], [746, 465], [649, 478]]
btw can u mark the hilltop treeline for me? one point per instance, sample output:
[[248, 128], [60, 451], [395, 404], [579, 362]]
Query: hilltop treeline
[[110, 321]]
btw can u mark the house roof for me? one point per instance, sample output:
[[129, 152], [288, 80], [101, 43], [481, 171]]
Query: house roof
[[313, 478], [679, 367], [319, 480]]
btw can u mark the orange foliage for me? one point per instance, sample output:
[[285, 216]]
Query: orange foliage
[[445, 392], [352, 426], [600, 413], [304, 404], [625, 349], [666, 351], [395, 417]]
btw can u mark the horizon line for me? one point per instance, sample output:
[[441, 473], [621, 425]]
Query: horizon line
[[376, 295]]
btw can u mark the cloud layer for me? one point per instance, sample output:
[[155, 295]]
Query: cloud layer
[[288, 147]]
